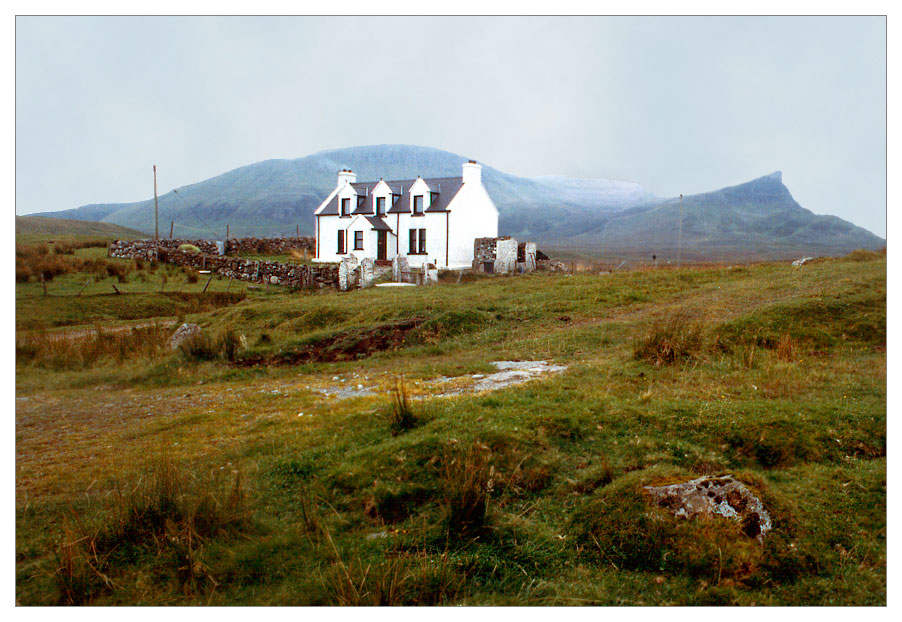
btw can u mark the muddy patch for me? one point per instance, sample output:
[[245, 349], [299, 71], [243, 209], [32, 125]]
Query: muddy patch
[[347, 346]]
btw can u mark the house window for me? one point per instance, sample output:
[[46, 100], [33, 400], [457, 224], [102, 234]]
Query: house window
[[418, 205], [380, 206], [346, 207], [417, 244], [358, 240], [341, 242]]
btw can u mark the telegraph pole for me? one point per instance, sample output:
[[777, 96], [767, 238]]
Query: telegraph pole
[[156, 209], [680, 246]]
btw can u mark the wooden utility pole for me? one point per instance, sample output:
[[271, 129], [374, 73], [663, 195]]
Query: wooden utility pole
[[171, 227], [227, 232], [680, 244], [299, 231], [156, 208]]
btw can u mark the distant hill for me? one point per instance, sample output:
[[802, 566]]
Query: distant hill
[[36, 227], [274, 197], [759, 219]]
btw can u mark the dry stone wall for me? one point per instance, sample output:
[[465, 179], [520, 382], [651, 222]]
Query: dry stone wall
[[256, 246], [292, 275]]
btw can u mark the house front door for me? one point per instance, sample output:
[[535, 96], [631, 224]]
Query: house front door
[[381, 243]]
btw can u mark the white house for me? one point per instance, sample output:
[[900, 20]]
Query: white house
[[425, 220]]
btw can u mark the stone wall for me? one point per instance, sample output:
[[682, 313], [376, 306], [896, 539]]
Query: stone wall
[[271, 246], [292, 275], [505, 256], [255, 246], [483, 252]]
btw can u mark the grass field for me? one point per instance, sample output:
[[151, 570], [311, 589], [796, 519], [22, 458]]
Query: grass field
[[223, 473]]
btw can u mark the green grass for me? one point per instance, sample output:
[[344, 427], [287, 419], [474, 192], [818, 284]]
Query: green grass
[[525, 496]]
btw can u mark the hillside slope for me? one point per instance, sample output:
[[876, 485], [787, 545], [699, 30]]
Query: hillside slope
[[37, 226]]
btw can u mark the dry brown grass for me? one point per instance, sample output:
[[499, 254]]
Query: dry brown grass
[[59, 352], [401, 578], [676, 339]]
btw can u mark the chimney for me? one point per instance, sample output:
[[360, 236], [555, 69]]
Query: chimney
[[346, 175], [472, 172]]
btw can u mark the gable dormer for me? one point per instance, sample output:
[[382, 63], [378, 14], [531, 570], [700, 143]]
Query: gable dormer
[[420, 197], [382, 198]]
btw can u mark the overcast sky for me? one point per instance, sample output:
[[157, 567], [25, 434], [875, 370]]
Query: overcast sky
[[677, 104]]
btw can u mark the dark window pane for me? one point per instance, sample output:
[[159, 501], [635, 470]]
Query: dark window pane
[[422, 240], [358, 240], [380, 206], [418, 204], [341, 242]]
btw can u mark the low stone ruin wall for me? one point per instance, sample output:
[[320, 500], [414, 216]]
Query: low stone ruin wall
[[504, 255], [292, 275]]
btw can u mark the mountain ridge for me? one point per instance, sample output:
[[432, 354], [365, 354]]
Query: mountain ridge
[[278, 196]]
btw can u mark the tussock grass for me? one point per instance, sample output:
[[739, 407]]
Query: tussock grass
[[166, 515], [468, 478], [398, 579], [401, 415], [85, 350], [224, 345], [676, 339]]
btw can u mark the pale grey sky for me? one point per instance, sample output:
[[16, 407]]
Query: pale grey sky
[[678, 104]]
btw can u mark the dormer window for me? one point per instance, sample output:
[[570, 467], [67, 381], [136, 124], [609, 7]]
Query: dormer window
[[418, 205], [380, 206], [346, 207]]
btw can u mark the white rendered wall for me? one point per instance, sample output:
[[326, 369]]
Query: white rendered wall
[[473, 215], [328, 226]]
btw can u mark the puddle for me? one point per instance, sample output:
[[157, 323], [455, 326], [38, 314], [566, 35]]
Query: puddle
[[509, 373]]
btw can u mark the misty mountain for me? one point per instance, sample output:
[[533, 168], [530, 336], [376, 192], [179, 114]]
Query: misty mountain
[[274, 197]]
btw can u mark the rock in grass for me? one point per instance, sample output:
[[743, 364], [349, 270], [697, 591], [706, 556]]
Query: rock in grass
[[183, 333], [707, 496]]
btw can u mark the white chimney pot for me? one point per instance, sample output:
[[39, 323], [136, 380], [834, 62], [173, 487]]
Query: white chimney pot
[[472, 173], [346, 176]]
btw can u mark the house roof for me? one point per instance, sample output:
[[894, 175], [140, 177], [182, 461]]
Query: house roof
[[446, 189], [377, 223]]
